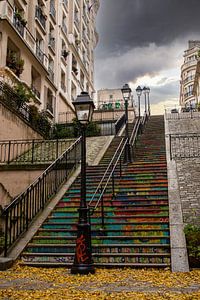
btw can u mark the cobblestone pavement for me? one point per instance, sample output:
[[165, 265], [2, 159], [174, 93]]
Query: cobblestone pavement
[[22, 282]]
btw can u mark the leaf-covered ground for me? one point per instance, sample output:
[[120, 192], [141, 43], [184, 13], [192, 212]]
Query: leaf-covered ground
[[23, 283]]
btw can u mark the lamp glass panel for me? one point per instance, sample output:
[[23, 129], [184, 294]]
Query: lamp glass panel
[[82, 112]]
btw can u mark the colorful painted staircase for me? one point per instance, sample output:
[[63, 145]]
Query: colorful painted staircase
[[136, 232]]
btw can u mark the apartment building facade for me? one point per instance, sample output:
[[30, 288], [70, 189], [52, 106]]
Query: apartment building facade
[[188, 70], [49, 47]]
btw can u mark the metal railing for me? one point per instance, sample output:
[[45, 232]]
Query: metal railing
[[184, 145], [112, 173], [12, 100], [40, 16], [119, 123], [32, 151], [25, 207], [192, 114]]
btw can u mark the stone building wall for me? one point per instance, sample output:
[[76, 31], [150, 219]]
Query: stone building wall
[[187, 166]]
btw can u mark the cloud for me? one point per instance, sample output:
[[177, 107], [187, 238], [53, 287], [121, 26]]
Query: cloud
[[137, 62], [143, 42], [123, 25]]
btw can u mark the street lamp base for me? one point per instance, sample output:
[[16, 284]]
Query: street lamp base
[[83, 263], [82, 269]]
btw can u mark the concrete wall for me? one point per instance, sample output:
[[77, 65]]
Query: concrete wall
[[15, 128], [15, 182], [188, 171]]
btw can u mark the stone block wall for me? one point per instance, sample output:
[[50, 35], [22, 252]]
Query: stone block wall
[[187, 168]]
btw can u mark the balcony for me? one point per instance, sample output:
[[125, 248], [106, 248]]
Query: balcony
[[40, 54], [40, 16], [76, 20], [8, 14], [63, 87], [189, 78], [52, 42], [19, 24], [64, 28], [52, 11], [35, 91], [49, 107], [51, 74], [65, 2], [188, 94]]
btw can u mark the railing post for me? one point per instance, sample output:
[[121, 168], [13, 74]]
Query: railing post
[[56, 148], [120, 166], [170, 146], [102, 212], [113, 184], [6, 235], [9, 148], [32, 159]]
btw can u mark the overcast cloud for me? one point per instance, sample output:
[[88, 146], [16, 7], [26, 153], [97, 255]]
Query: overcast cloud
[[142, 42]]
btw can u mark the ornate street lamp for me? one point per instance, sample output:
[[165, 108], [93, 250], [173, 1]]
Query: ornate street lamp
[[83, 264], [145, 99], [148, 92], [139, 93], [126, 92]]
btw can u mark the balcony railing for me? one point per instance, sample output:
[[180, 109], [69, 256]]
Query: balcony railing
[[64, 27], [35, 91], [189, 78], [9, 14], [65, 2], [49, 107], [40, 54], [40, 16], [76, 20], [186, 95], [51, 73], [52, 10], [18, 25], [52, 43]]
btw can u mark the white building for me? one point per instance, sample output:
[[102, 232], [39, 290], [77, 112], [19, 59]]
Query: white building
[[111, 99], [49, 45], [188, 70]]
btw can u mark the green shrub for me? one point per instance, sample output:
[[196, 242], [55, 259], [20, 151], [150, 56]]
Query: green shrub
[[192, 234]]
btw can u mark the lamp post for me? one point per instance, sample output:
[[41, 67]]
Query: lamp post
[[139, 93], [148, 92], [145, 99], [126, 92], [83, 264]]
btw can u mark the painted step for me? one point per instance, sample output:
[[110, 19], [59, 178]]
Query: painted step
[[100, 248], [110, 226], [103, 258], [110, 232]]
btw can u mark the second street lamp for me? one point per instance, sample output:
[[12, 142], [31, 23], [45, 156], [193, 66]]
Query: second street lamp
[[145, 99], [148, 92], [139, 93], [126, 92], [83, 264]]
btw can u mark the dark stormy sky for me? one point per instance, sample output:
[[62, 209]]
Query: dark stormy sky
[[142, 42]]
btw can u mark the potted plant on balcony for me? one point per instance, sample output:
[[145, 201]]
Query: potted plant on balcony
[[23, 95], [19, 16], [15, 63]]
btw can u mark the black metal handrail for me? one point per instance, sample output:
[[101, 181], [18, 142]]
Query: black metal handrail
[[109, 175], [32, 151], [184, 145], [119, 123], [24, 208]]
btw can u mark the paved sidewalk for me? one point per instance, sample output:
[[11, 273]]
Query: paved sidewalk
[[36, 283]]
